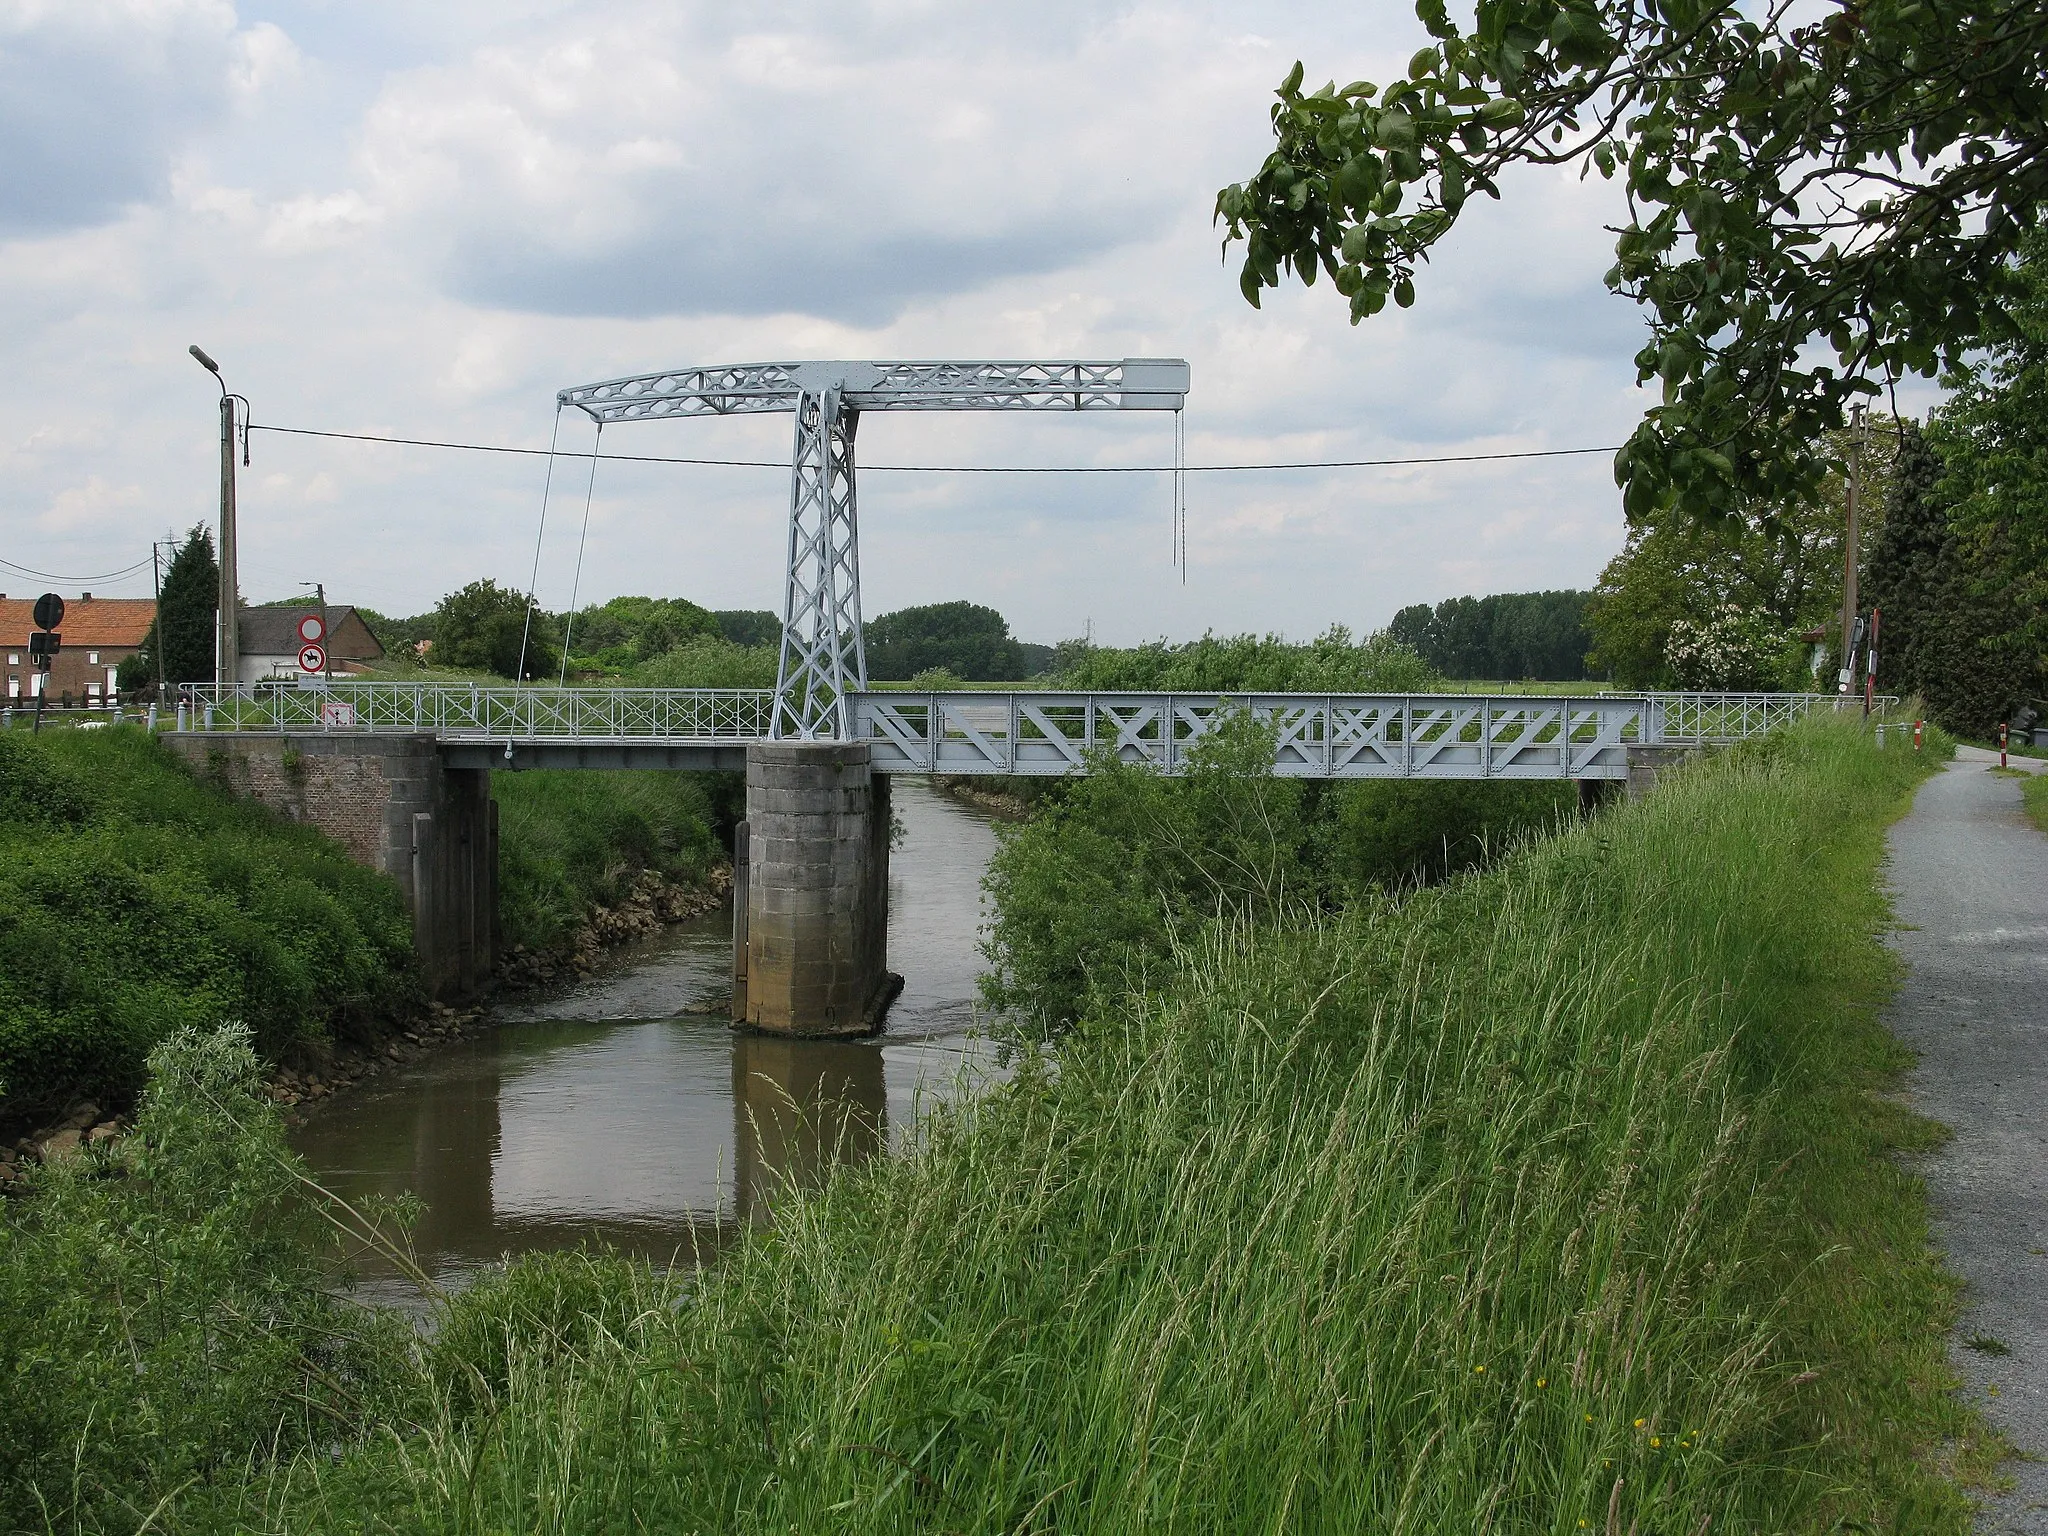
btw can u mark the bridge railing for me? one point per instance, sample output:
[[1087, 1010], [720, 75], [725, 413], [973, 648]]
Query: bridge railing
[[481, 712], [1679, 718], [1344, 736]]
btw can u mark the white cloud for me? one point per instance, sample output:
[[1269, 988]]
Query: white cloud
[[425, 220]]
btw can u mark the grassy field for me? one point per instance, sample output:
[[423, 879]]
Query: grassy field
[[1561, 1197], [2035, 793]]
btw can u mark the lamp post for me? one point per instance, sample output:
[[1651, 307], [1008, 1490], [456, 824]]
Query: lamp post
[[227, 631]]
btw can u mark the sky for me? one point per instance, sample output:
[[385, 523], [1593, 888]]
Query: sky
[[423, 221]]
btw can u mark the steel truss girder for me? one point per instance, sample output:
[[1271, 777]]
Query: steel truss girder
[[1338, 736], [738, 389], [1450, 736]]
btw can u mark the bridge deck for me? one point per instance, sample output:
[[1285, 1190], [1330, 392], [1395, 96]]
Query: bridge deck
[[1045, 733]]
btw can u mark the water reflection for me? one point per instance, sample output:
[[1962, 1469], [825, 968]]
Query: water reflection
[[608, 1113]]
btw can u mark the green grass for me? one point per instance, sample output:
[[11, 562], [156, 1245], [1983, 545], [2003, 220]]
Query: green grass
[[134, 899], [2034, 794], [569, 840], [1560, 1197]]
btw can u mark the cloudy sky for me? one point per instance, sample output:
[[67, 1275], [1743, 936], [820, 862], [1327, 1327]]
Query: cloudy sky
[[423, 220]]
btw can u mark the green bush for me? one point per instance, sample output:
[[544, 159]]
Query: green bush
[[708, 661], [570, 840], [164, 1330], [134, 901], [1331, 663]]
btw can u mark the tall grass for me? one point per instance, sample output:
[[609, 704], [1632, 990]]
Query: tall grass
[[1556, 1198]]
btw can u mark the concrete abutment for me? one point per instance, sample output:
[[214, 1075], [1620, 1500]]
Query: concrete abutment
[[397, 808], [811, 892]]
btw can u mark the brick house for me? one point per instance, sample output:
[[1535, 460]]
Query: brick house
[[99, 634], [270, 641]]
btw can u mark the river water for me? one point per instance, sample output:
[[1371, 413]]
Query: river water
[[608, 1112]]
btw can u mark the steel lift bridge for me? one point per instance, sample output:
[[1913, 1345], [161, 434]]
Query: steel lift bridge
[[824, 657]]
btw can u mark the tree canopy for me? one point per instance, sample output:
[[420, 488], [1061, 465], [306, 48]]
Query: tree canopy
[[485, 627], [1505, 634], [966, 639], [1863, 180], [186, 609]]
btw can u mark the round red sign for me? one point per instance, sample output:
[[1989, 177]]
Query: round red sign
[[311, 630], [312, 659]]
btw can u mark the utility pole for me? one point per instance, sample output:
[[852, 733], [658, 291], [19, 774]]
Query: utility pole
[[227, 634], [1850, 552], [156, 577]]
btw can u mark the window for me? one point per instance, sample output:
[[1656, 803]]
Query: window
[[14, 658], [92, 658]]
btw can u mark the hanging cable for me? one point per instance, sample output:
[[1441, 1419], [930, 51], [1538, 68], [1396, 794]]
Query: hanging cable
[[22, 570], [1180, 489], [533, 581], [576, 586]]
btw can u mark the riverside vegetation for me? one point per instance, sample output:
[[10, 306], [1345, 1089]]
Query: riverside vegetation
[[136, 899], [1554, 1197]]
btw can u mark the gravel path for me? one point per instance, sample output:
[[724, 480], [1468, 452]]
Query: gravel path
[[1970, 877]]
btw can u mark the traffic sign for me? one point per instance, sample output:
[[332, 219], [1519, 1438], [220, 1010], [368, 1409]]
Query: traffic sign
[[312, 659], [49, 611], [311, 630]]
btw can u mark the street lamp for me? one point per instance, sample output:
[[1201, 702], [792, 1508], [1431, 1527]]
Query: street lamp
[[227, 631]]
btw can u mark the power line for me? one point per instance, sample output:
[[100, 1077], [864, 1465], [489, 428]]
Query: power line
[[950, 469], [22, 570]]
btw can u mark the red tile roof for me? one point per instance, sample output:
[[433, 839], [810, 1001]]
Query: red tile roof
[[115, 623]]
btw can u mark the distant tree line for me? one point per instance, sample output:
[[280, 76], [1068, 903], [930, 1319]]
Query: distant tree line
[[1519, 635]]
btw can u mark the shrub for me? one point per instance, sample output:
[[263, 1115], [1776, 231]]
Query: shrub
[[134, 901], [162, 1319]]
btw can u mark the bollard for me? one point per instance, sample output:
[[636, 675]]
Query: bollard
[[2001, 746], [1880, 735], [1918, 726]]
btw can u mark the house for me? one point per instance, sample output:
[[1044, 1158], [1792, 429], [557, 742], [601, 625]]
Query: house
[[270, 642], [99, 634]]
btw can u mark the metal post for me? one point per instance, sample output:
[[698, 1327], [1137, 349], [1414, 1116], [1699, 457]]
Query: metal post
[[326, 635], [1850, 552], [227, 653]]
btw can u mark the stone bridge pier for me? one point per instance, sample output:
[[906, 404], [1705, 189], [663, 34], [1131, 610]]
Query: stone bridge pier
[[811, 892], [397, 807]]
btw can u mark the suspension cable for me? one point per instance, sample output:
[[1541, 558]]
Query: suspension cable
[[533, 581], [576, 586]]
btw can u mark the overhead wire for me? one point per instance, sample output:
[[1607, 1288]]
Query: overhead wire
[[551, 453], [23, 570]]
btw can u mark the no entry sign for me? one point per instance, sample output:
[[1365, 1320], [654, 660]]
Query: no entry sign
[[312, 659], [311, 630]]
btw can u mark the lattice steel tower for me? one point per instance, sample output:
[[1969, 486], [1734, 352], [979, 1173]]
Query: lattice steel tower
[[824, 657]]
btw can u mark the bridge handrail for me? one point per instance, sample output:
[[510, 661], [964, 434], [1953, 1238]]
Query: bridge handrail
[[478, 711], [1447, 735], [1681, 716]]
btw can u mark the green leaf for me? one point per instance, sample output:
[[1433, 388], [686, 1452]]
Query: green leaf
[[1422, 64], [1404, 293], [1292, 83]]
